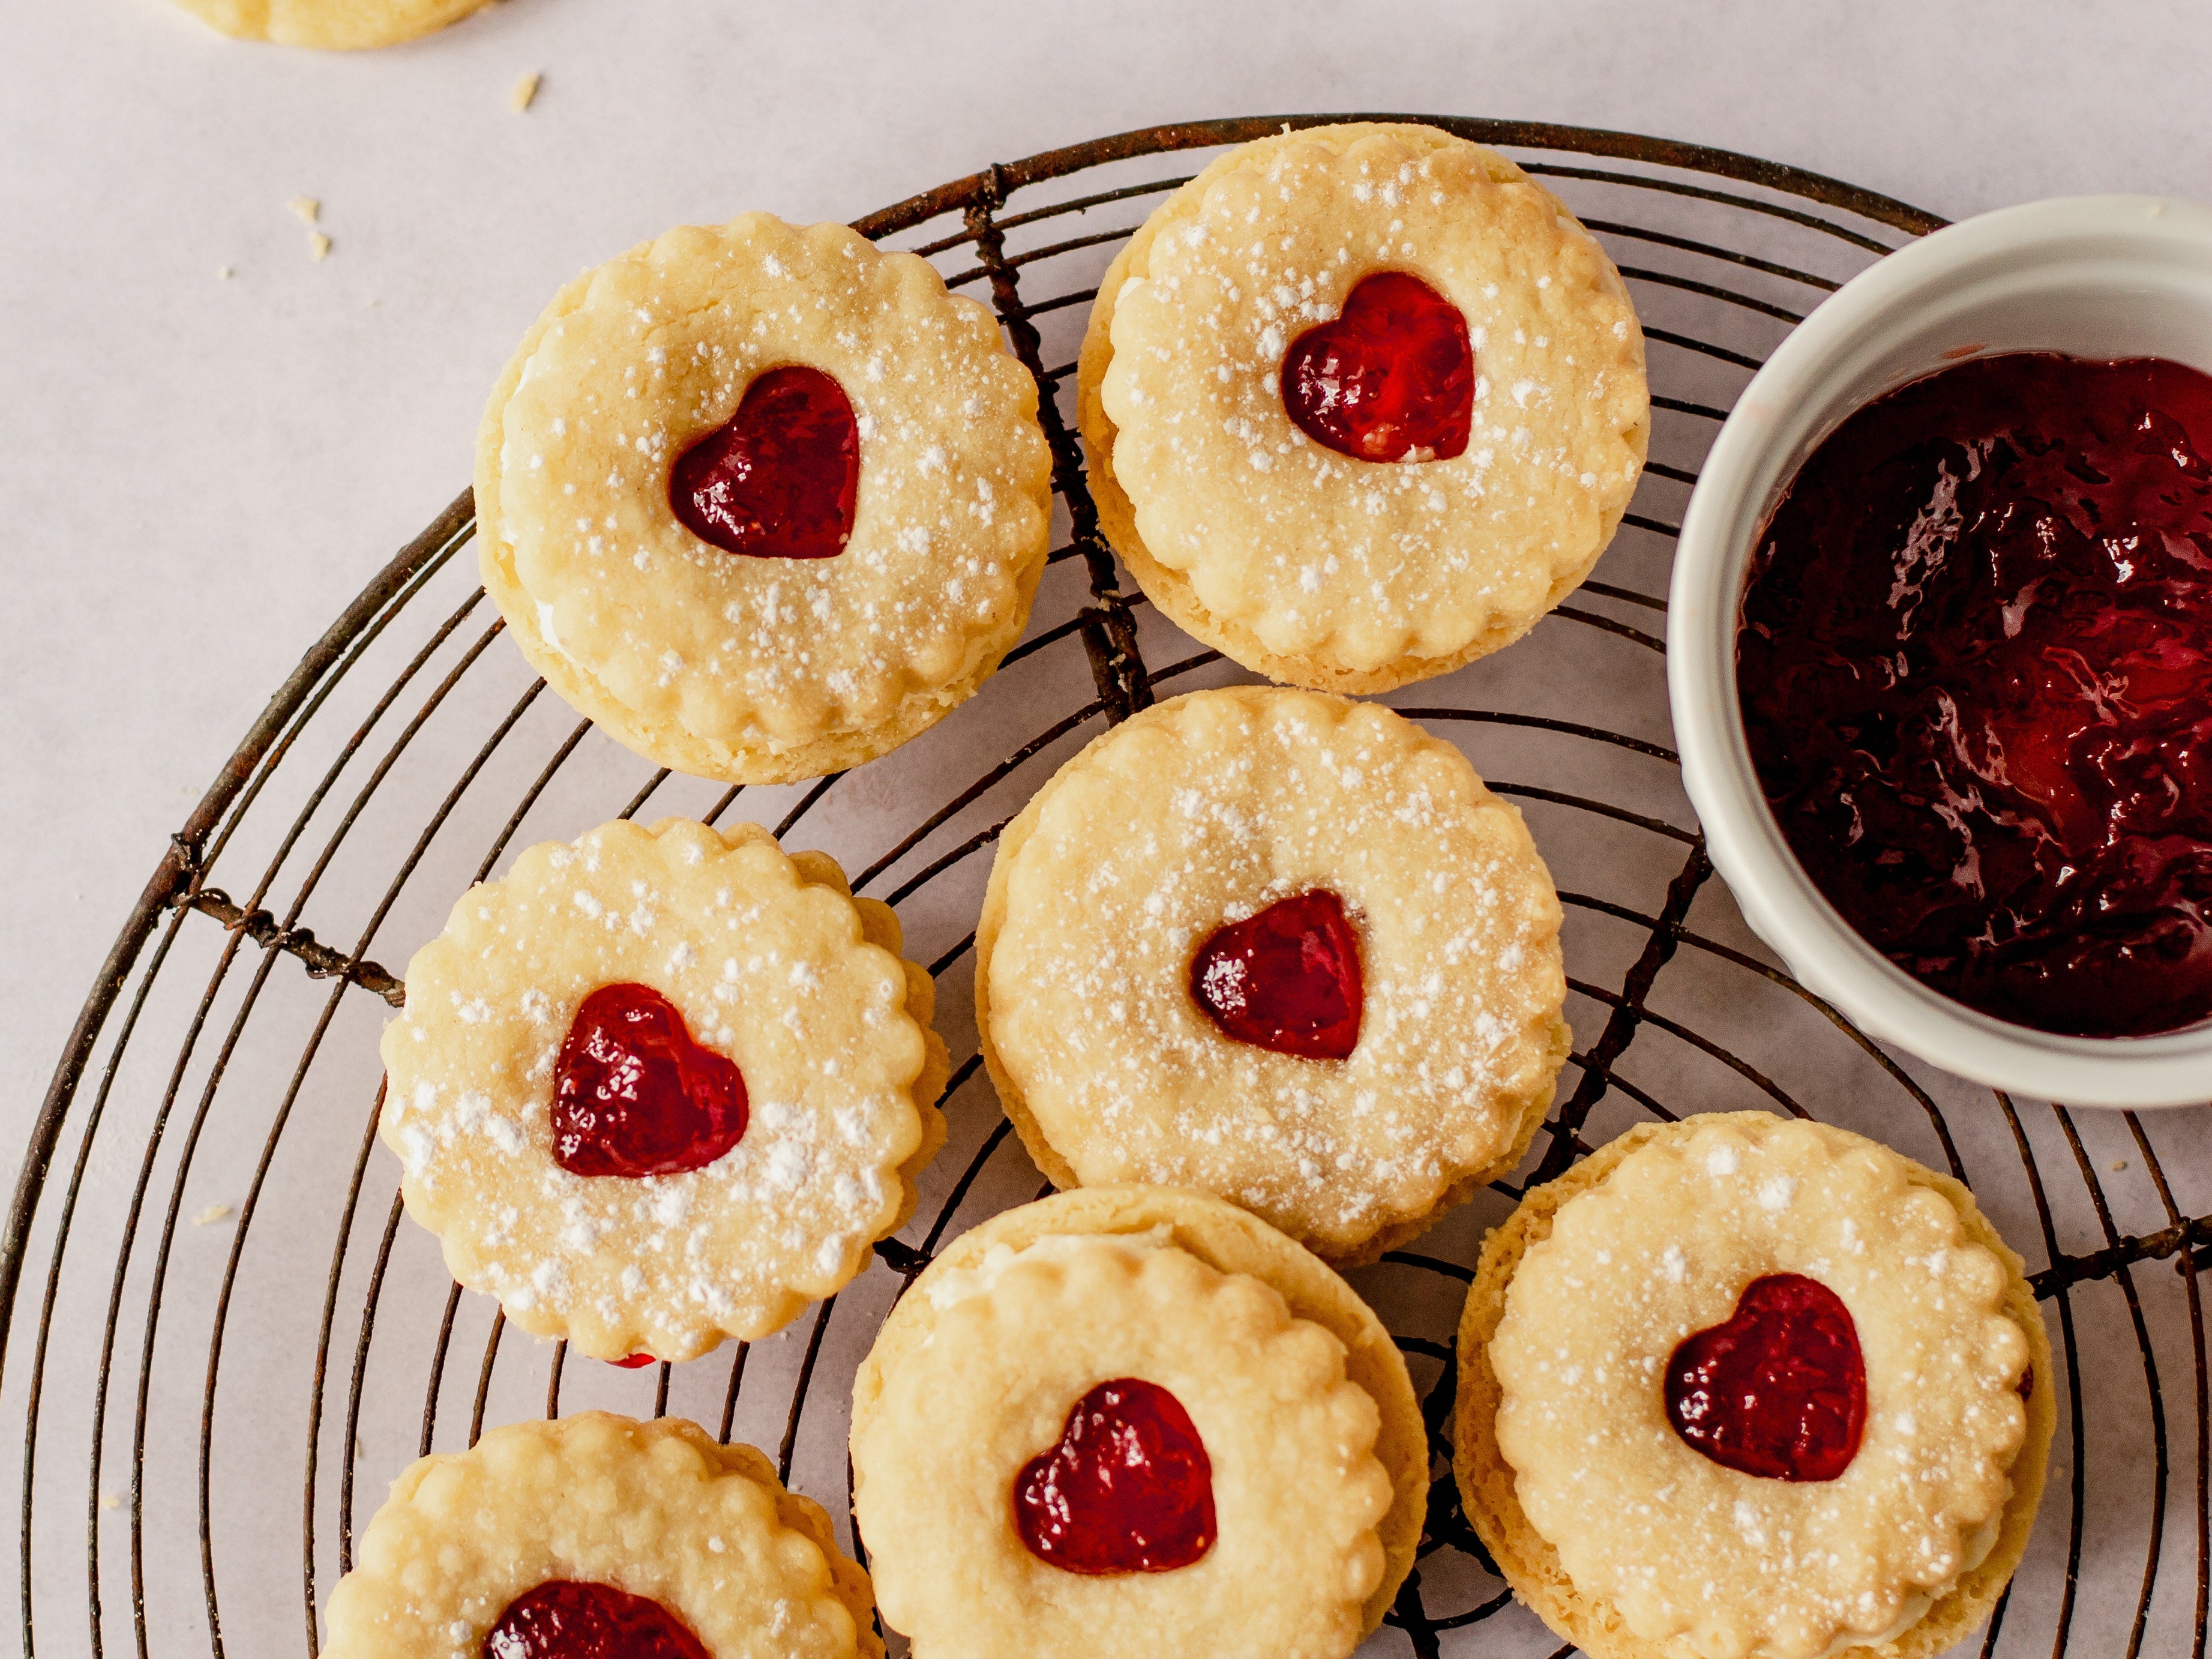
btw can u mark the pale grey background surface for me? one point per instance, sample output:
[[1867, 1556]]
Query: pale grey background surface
[[196, 475]]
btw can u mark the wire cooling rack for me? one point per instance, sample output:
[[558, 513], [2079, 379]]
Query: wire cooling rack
[[221, 1340]]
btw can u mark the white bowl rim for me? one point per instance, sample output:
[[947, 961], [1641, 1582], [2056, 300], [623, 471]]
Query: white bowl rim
[[1744, 844]]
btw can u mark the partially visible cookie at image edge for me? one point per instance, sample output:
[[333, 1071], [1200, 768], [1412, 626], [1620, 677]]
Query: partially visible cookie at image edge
[[331, 25], [598, 1527], [1006, 1331]]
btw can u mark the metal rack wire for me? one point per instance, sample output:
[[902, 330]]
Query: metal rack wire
[[227, 1050]]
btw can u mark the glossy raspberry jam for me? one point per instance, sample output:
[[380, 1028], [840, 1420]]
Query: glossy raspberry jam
[[779, 478], [1391, 378], [571, 1619], [633, 1361], [1975, 666], [633, 1094], [1128, 1489], [1286, 978], [1780, 1389]]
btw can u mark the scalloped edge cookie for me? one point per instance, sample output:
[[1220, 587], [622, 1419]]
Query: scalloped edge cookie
[[1171, 589], [752, 758], [1054, 1166], [1530, 1564], [1229, 1241], [390, 1580], [461, 1214]]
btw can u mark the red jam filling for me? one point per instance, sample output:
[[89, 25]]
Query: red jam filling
[[1780, 1389], [1286, 978], [1975, 672], [569, 1619], [1128, 1488], [632, 1362], [633, 1095], [1391, 378], [778, 479]]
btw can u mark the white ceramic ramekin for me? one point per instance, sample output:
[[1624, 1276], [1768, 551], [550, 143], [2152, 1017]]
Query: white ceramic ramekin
[[2086, 276]]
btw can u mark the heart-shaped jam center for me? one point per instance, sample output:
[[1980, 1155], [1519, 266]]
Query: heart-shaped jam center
[[778, 479], [571, 1619], [1128, 1488], [1780, 1389], [633, 1095], [1286, 978], [1391, 378]]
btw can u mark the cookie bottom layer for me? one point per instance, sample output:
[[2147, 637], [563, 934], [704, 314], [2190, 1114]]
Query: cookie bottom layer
[[1531, 1566]]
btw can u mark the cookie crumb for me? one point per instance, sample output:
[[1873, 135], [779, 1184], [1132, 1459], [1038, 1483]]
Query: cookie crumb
[[224, 273], [2118, 1164], [108, 1500], [308, 207], [319, 245], [525, 92], [209, 1215]]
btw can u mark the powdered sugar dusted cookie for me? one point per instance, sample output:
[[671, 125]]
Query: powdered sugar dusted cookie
[[1134, 1421], [1361, 403], [1280, 946], [1746, 1388], [333, 25], [597, 1534], [663, 1086], [762, 501]]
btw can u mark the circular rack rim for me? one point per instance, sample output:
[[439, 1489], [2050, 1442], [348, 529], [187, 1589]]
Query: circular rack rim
[[1123, 683]]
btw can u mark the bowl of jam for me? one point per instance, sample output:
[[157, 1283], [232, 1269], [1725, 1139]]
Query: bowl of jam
[[1940, 650]]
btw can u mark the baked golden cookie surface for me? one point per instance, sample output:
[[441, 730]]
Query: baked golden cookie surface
[[1613, 1287], [578, 1517], [663, 1086], [861, 415], [332, 25], [1129, 906], [1316, 1458], [1335, 570]]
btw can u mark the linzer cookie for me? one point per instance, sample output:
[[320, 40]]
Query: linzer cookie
[[332, 25], [1363, 403], [595, 1536], [1135, 1423], [761, 500], [663, 1086], [1747, 1387], [1280, 946]]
